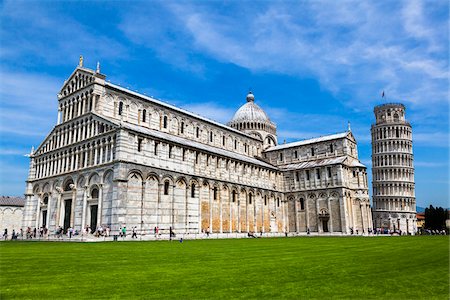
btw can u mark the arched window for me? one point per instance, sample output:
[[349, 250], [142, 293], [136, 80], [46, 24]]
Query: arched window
[[170, 151], [67, 186], [278, 202], [182, 127], [193, 190], [223, 141], [165, 122], [250, 197], [302, 204], [233, 196], [211, 136], [45, 200], [120, 108], [265, 200], [94, 193], [396, 118], [144, 115], [197, 132], [215, 193], [166, 187]]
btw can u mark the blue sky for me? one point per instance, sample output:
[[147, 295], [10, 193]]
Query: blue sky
[[312, 65]]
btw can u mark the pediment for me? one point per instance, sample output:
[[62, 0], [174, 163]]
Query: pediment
[[351, 137], [79, 78], [41, 148]]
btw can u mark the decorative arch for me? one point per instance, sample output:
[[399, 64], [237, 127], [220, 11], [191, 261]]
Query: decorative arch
[[135, 171], [94, 178], [67, 182]]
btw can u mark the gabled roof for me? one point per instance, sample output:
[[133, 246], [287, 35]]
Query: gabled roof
[[336, 136], [320, 163], [12, 201], [77, 70], [99, 117], [164, 104], [197, 145]]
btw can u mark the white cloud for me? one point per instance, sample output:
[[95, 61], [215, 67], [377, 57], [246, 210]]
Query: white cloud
[[348, 45], [36, 32], [28, 103]]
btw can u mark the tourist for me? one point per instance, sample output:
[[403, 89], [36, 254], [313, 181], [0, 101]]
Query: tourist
[[107, 230], [124, 232], [21, 233], [13, 235], [134, 235], [307, 231], [171, 233], [5, 233]]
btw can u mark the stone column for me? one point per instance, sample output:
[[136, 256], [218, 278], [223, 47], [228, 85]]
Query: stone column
[[220, 210], [101, 153], [255, 229], [306, 212], [210, 210], [186, 209], [331, 215], [74, 199], [230, 225], [83, 212], [142, 205], [172, 218], [58, 207], [59, 117], [38, 210], [239, 229], [344, 213], [319, 226], [160, 187], [100, 205], [95, 154], [49, 205], [112, 150], [363, 225]]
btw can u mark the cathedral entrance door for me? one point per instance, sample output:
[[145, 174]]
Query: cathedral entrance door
[[67, 213], [93, 223], [44, 218], [325, 225]]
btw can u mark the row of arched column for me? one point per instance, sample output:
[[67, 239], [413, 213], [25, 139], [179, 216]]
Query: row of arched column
[[94, 152], [74, 132]]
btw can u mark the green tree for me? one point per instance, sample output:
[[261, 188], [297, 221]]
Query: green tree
[[435, 218]]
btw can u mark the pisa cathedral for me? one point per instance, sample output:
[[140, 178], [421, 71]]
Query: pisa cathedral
[[119, 158]]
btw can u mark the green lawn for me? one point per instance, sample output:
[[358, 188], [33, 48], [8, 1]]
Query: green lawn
[[308, 267]]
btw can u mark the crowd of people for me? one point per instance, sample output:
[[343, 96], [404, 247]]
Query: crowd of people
[[105, 231]]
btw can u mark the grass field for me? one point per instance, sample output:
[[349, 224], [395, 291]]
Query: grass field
[[324, 267]]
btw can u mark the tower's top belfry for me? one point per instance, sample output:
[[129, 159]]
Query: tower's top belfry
[[389, 113]]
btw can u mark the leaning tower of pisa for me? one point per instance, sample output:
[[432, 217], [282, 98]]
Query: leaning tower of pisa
[[394, 203]]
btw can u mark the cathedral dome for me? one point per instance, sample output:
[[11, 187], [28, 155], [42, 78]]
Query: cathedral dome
[[250, 111], [253, 120]]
